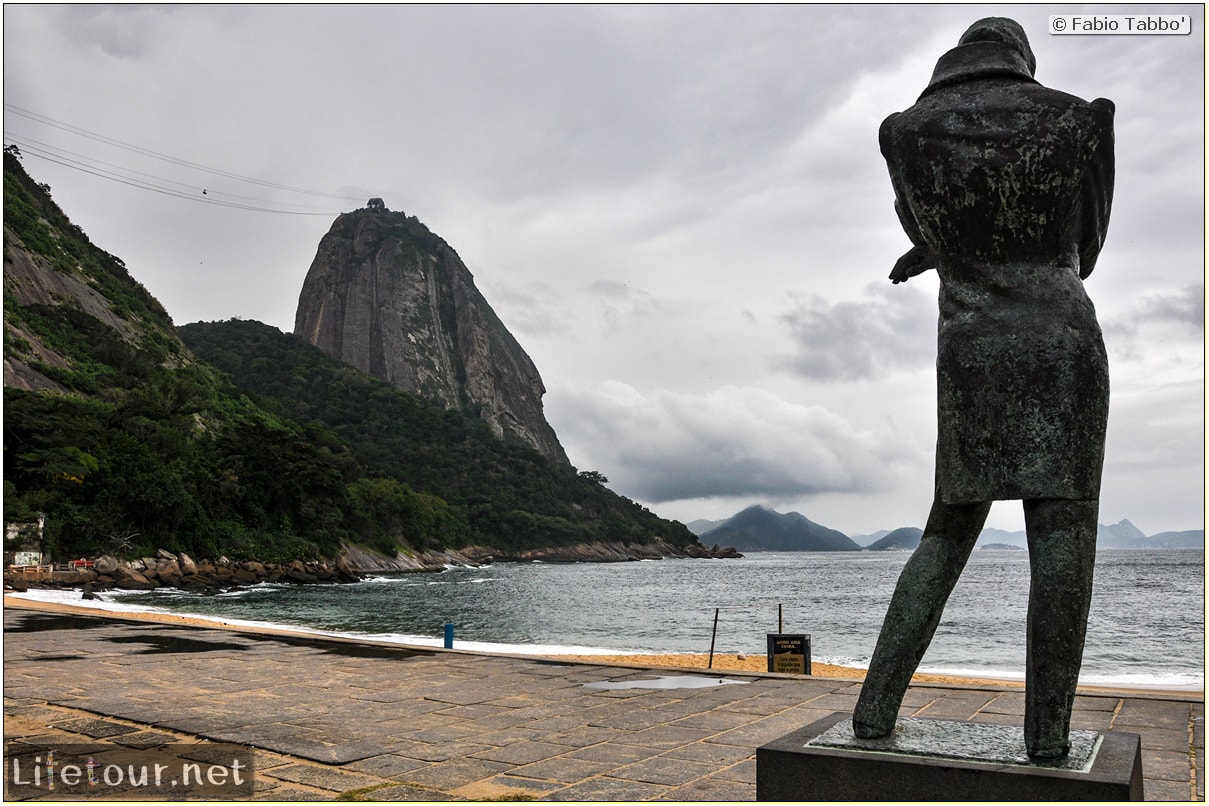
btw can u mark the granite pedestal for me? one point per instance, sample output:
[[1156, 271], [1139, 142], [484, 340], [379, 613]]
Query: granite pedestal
[[927, 759]]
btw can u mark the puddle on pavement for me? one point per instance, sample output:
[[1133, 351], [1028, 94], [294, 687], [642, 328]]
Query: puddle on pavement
[[668, 681]]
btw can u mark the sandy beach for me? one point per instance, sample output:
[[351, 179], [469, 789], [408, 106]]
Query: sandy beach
[[727, 662], [337, 717], [758, 663], [724, 662]]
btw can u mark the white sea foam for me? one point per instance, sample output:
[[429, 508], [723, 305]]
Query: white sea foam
[[1171, 682], [73, 598], [667, 607], [236, 593], [100, 603], [1177, 681], [70, 597]]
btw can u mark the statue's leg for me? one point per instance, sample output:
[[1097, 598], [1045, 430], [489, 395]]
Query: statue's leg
[[915, 609], [1062, 557]]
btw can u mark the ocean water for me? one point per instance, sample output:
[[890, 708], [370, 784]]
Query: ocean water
[[1147, 623]]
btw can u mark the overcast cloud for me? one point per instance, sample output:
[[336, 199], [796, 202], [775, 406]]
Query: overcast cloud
[[680, 212], [863, 339]]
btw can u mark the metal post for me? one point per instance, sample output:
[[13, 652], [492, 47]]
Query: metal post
[[448, 636], [780, 622], [711, 639]]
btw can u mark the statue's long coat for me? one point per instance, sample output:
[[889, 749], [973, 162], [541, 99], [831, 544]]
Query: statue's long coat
[[1008, 184]]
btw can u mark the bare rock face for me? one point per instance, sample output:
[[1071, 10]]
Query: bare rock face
[[30, 280], [391, 298]]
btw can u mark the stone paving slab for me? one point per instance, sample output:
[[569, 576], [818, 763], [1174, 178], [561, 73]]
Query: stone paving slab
[[332, 718]]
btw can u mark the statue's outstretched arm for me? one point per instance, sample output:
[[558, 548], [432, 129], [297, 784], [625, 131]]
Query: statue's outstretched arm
[[917, 261]]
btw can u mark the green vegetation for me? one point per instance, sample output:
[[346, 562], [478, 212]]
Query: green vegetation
[[157, 469], [494, 494], [283, 454], [42, 228]]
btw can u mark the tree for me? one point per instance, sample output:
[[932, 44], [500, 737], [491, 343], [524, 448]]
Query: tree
[[594, 476]]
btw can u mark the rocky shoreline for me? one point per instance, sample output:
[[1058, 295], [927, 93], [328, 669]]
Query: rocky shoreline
[[179, 571], [207, 576]]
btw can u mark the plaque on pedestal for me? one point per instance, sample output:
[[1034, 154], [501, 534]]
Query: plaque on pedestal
[[929, 759]]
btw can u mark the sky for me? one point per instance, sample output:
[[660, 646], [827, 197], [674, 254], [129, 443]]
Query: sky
[[680, 212]]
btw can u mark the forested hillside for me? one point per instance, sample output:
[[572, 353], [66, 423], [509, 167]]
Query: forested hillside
[[119, 437], [492, 493], [125, 442], [758, 528]]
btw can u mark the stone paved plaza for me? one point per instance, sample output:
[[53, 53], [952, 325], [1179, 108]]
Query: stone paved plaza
[[372, 722]]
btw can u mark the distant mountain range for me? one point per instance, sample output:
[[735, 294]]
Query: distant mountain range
[[904, 538], [759, 528], [701, 526], [868, 540], [1122, 535]]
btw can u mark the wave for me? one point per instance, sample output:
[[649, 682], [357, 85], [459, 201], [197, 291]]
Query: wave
[[137, 602], [236, 593], [102, 604], [1176, 681], [72, 598]]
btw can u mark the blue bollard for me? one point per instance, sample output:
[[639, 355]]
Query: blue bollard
[[449, 636]]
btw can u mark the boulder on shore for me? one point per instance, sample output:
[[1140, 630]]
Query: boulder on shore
[[127, 578], [187, 566], [105, 564], [364, 560], [212, 576]]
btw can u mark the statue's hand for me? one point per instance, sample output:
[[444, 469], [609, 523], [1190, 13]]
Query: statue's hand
[[916, 261]]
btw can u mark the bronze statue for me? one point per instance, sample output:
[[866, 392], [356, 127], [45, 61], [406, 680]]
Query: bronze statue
[[1004, 187]]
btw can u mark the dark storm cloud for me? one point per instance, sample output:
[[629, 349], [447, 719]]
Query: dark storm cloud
[[732, 441], [1165, 322], [894, 328], [1185, 309]]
